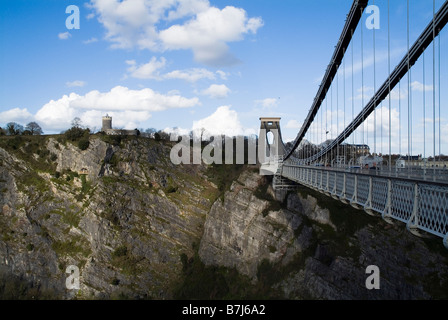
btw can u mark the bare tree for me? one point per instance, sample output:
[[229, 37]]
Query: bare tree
[[34, 128], [76, 122], [14, 129]]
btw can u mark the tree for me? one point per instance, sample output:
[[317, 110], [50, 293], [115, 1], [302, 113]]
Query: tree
[[14, 129], [75, 133], [76, 122], [2, 132], [34, 128], [162, 135], [83, 144], [150, 132]]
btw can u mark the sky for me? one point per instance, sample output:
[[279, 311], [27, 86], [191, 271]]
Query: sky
[[218, 65]]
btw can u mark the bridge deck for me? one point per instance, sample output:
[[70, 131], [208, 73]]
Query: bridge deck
[[421, 204]]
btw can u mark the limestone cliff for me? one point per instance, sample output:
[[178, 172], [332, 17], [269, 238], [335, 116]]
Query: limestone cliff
[[314, 247], [138, 226], [122, 213]]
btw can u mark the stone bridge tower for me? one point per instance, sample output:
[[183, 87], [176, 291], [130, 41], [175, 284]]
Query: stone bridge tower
[[271, 126]]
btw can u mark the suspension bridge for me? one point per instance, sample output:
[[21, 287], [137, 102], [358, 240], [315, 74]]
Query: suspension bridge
[[380, 147]]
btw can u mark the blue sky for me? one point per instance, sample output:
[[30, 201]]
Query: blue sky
[[190, 63]]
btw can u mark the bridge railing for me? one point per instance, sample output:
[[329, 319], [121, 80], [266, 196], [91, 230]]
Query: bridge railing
[[423, 206]]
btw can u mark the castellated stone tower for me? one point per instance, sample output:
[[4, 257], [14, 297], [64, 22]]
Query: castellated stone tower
[[107, 123]]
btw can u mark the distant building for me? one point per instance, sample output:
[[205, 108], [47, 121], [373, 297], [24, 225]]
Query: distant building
[[355, 150], [107, 129], [370, 161], [418, 161]]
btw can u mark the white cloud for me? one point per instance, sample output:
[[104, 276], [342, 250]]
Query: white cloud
[[120, 119], [222, 74], [418, 86], [149, 70], [363, 93], [293, 124], [370, 60], [208, 34], [267, 103], [190, 75], [200, 27], [217, 91], [90, 16], [398, 94], [64, 35], [223, 121], [130, 107], [76, 83], [177, 131], [18, 115], [91, 40]]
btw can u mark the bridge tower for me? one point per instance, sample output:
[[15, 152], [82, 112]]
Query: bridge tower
[[272, 125]]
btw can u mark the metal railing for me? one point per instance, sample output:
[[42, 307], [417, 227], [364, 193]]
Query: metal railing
[[422, 205]]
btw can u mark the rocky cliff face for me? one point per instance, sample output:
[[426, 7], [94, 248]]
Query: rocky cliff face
[[316, 248], [129, 219], [122, 214]]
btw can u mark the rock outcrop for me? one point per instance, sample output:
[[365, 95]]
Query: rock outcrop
[[129, 220], [321, 253], [124, 227], [236, 234]]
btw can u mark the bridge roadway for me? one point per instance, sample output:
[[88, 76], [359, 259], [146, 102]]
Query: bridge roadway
[[420, 201]]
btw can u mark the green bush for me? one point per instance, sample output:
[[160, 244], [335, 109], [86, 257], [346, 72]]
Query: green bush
[[83, 144], [76, 133], [114, 140], [43, 153], [114, 160], [15, 142], [120, 252], [171, 189]]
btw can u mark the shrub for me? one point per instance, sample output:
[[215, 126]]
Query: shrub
[[83, 144], [114, 140], [171, 189], [120, 252], [15, 142], [76, 133], [43, 153]]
